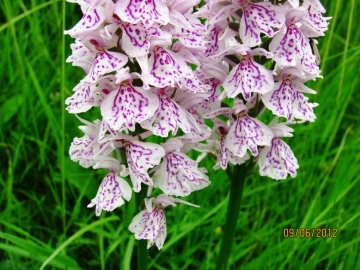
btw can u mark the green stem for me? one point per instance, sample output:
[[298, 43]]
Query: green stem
[[142, 251], [236, 191]]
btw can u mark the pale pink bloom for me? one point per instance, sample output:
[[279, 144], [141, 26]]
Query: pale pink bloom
[[314, 24], [197, 105], [248, 76], [169, 116], [106, 62], [198, 134], [81, 56], [148, 12], [277, 160], [245, 132], [89, 95], [190, 33], [150, 224], [138, 40], [224, 155], [96, 13], [257, 18], [111, 194], [87, 149], [216, 37], [166, 68], [287, 98], [128, 105], [291, 48], [153, 68], [178, 174], [140, 157]]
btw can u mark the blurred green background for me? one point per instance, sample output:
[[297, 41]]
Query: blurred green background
[[44, 220]]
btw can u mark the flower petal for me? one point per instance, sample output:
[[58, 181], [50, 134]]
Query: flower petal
[[87, 149], [106, 62], [314, 23], [127, 106], [277, 160], [81, 56], [111, 193], [169, 116], [280, 100], [224, 156], [259, 18], [247, 133], [179, 175], [140, 157], [212, 102], [198, 134], [91, 20], [293, 49], [247, 77], [148, 12], [83, 99], [150, 226], [169, 69], [302, 109], [133, 40]]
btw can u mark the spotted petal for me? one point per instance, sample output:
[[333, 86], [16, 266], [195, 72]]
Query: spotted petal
[[280, 100], [247, 77], [169, 69], [302, 109], [127, 106], [292, 48], [169, 116], [259, 18], [191, 36], [212, 102], [277, 160], [146, 11], [137, 40], [225, 155], [315, 24], [81, 56], [106, 62], [87, 149], [179, 175], [150, 225], [140, 157], [214, 46], [83, 99], [133, 40], [202, 132], [111, 193], [247, 133], [91, 20]]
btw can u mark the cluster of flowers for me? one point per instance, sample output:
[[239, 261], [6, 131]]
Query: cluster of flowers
[[157, 66]]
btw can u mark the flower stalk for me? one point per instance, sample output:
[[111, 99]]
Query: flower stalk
[[142, 252], [236, 191]]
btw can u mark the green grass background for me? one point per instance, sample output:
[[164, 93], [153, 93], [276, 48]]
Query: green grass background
[[44, 221]]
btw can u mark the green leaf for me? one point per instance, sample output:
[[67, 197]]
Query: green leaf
[[9, 109]]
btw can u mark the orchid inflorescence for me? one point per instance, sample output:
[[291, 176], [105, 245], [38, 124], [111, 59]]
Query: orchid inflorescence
[[160, 69]]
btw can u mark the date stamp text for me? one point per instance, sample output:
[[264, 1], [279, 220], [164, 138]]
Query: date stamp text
[[310, 232]]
